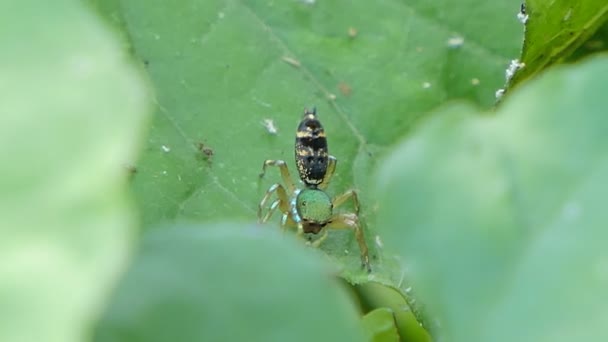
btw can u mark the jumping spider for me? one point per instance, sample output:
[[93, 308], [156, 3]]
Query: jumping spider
[[311, 209]]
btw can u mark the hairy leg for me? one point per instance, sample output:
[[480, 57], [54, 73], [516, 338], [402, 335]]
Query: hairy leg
[[331, 168], [339, 200], [284, 173], [351, 221], [282, 202]]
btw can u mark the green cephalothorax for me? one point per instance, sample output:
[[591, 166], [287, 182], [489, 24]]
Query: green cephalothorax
[[311, 209], [314, 208]]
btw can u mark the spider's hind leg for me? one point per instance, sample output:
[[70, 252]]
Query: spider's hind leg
[[331, 168], [351, 221]]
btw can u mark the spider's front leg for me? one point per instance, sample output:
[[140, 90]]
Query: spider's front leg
[[339, 200], [351, 221]]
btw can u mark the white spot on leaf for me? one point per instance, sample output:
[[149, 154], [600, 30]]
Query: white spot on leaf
[[522, 16], [455, 42], [379, 242], [499, 93], [512, 69], [270, 127]]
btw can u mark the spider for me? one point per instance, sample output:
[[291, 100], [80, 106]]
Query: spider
[[311, 209]]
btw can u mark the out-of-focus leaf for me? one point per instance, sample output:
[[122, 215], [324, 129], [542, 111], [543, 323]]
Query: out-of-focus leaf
[[228, 282], [502, 219], [72, 114]]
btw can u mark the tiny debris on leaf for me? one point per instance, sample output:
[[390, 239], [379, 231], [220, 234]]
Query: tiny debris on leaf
[[352, 32], [522, 16], [291, 61], [206, 151], [499, 93], [270, 126], [379, 242], [568, 15], [345, 89], [455, 42], [512, 69]]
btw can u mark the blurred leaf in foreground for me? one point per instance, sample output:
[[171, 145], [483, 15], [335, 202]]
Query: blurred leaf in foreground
[[228, 282], [72, 112], [502, 219]]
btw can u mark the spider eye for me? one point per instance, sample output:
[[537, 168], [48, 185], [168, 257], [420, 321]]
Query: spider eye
[[310, 159]]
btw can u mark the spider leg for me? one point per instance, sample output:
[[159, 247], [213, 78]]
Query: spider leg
[[351, 221], [339, 200], [331, 168], [284, 173], [282, 202], [273, 206], [320, 240]]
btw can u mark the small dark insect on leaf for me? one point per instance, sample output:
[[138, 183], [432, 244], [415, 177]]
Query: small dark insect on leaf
[[205, 150]]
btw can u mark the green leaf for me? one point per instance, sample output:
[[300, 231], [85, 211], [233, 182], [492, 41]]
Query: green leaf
[[597, 43], [220, 68], [380, 325], [72, 112], [555, 30], [374, 296], [502, 219], [228, 282]]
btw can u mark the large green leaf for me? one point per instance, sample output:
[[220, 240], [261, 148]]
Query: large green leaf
[[502, 218], [228, 282], [221, 67], [554, 31], [72, 112]]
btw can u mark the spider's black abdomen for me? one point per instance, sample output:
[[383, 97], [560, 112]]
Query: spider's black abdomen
[[311, 149]]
